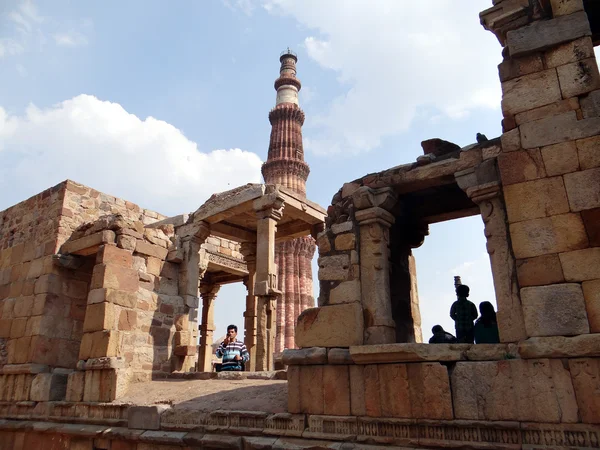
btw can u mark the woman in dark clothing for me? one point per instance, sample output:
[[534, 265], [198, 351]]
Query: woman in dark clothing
[[486, 327]]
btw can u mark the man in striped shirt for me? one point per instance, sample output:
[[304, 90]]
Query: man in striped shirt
[[233, 352]]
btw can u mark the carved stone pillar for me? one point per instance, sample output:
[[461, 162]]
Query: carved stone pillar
[[269, 210], [374, 221], [207, 326], [248, 249], [192, 237], [488, 197]]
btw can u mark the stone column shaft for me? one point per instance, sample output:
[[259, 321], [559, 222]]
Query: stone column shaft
[[248, 249], [374, 225], [207, 326]]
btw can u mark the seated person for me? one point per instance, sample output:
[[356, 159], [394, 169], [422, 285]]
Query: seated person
[[232, 351], [441, 336], [486, 327]]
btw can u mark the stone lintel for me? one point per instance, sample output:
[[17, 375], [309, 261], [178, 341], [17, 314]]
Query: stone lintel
[[15, 369], [310, 355], [176, 221], [88, 245], [400, 353], [584, 345]]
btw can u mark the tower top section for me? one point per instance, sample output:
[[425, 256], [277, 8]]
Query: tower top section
[[287, 85]]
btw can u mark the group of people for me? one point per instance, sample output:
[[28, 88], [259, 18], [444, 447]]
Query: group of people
[[469, 328]]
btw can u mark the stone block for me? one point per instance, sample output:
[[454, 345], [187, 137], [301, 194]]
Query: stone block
[[148, 249], [311, 389], [544, 34], [343, 227], [99, 344], [520, 166], [516, 67], [553, 109], [357, 391], [17, 328], [334, 268], [323, 243], [393, 392], [5, 326], [126, 242], [154, 266], [583, 345], [345, 292], [114, 277], [539, 271], [570, 52], [564, 7], [530, 91], [591, 295], [48, 387], [330, 326], [585, 374], [75, 385], [406, 352], [548, 235], [111, 254], [588, 151], [537, 390], [560, 158], [294, 393], [559, 128], [590, 104], [581, 265], [583, 189], [339, 356], [127, 320], [556, 310], [336, 390], [511, 140], [535, 199], [429, 391], [118, 297], [145, 417], [99, 316], [579, 77], [346, 241], [49, 282]]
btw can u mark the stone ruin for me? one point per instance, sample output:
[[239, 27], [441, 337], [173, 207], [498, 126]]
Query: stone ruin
[[361, 377]]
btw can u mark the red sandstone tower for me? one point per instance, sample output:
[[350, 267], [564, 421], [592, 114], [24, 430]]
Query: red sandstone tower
[[285, 166]]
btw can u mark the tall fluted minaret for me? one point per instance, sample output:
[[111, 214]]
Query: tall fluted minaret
[[285, 166]]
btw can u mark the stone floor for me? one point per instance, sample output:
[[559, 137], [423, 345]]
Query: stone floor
[[269, 396]]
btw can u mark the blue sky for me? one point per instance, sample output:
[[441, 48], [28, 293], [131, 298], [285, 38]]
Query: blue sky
[[163, 104]]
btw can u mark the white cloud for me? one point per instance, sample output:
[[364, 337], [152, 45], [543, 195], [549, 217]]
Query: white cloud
[[246, 6], [70, 39], [393, 57], [99, 144]]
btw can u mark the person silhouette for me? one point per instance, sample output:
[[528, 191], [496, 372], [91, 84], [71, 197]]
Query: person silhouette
[[441, 336], [486, 327], [463, 312]]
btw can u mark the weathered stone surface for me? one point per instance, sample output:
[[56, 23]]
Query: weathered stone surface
[[527, 390], [123, 298], [339, 356], [555, 129], [330, 326], [14, 369], [388, 353], [438, 147], [346, 241], [591, 295], [564, 7], [99, 316], [294, 393], [148, 249], [520, 166], [587, 150], [145, 417], [553, 109], [548, 235], [516, 67], [75, 386], [89, 245], [323, 243], [585, 374], [334, 268], [591, 221], [110, 254], [336, 390], [343, 227], [583, 189], [544, 34], [511, 140], [345, 292], [357, 391], [311, 355], [311, 389], [535, 199], [578, 77], [530, 91], [581, 265], [560, 347], [554, 310], [48, 387], [99, 344], [114, 277], [539, 271], [560, 158]]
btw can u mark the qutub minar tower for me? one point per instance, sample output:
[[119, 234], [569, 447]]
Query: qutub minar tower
[[285, 166]]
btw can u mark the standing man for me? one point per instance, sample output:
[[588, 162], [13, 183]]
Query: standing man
[[463, 312], [233, 352]]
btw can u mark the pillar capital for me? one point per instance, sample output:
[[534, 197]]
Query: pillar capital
[[374, 215], [509, 15], [270, 205], [484, 192], [248, 250], [194, 232], [366, 197], [209, 291]]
